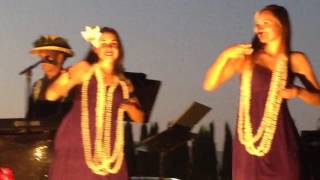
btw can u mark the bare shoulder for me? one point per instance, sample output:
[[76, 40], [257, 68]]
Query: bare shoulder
[[81, 66], [298, 55], [299, 61]]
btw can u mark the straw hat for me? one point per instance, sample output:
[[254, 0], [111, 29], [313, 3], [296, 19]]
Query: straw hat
[[54, 43]]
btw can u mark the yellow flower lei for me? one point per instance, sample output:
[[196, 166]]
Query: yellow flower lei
[[260, 143], [104, 159], [37, 89]]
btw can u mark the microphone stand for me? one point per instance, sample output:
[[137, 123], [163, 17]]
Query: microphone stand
[[29, 68], [28, 72]]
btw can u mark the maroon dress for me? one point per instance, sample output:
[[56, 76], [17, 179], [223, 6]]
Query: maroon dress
[[283, 160], [68, 162]]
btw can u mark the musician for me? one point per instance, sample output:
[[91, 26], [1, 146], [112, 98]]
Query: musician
[[53, 52]]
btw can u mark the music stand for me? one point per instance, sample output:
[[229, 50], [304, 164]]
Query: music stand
[[146, 91], [176, 135]]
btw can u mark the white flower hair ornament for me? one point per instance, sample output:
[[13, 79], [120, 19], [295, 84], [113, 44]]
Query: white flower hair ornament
[[92, 35]]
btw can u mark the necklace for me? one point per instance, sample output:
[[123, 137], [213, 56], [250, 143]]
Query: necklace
[[260, 143], [37, 89], [103, 159]]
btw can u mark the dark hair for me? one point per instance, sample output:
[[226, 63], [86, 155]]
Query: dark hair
[[282, 15], [92, 57]]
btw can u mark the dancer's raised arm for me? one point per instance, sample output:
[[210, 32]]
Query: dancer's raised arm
[[67, 80], [229, 62]]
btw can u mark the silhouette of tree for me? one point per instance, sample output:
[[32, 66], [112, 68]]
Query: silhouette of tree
[[226, 168], [318, 124], [204, 164], [214, 149], [175, 163], [153, 157], [144, 132], [129, 150], [148, 162], [154, 129]]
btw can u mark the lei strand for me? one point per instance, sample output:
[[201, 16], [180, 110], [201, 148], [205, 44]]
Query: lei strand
[[260, 143], [37, 89], [104, 159]]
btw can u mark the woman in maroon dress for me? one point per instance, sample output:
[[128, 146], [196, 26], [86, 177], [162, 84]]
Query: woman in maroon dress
[[266, 145], [89, 143]]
